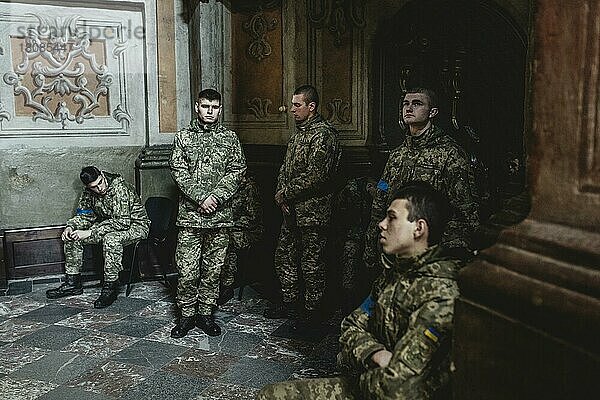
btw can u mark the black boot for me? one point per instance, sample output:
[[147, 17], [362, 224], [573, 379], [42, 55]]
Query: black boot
[[282, 310], [182, 328], [225, 294], [71, 286], [208, 325], [109, 293]]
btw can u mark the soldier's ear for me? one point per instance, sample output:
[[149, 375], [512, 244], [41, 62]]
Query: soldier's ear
[[312, 106], [433, 112], [197, 107], [421, 229]]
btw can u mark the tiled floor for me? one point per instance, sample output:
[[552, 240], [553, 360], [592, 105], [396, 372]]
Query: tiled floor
[[65, 349]]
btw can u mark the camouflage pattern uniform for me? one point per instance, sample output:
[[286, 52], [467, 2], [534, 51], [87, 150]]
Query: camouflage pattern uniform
[[116, 219], [247, 226], [437, 159], [206, 159], [409, 313], [306, 176]]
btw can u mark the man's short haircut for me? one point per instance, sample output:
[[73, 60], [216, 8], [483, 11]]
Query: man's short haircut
[[310, 94], [89, 174], [210, 95], [431, 95], [424, 202]]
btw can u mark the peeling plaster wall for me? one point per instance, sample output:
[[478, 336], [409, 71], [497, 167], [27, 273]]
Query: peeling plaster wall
[[40, 187]]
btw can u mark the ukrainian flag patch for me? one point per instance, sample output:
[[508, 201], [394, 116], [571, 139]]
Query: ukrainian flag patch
[[432, 334], [84, 211]]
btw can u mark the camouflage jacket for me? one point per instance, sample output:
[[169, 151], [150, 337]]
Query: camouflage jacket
[[247, 214], [409, 313], [309, 170], [206, 159], [354, 208], [436, 158], [117, 210]]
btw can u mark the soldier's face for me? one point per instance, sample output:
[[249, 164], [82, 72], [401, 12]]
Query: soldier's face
[[416, 110], [300, 110], [208, 110], [397, 234], [99, 186]]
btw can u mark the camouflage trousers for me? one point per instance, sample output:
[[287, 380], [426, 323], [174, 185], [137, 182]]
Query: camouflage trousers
[[112, 250], [337, 388], [199, 256], [300, 251]]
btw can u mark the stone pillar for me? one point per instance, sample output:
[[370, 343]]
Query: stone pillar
[[528, 320]]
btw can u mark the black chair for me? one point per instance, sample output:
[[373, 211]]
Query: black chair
[[162, 212]]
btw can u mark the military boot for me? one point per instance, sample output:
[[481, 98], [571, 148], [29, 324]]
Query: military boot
[[71, 286], [225, 294], [182, 328], [108, 295], [208, 325], [282, 310]]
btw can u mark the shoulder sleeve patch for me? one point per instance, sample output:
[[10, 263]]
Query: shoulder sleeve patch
[[383, 185], [84, 211], [368, 305]]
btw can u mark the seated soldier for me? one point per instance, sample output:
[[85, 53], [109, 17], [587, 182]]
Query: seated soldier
[[396, 345], [109, 213], [247, 229]]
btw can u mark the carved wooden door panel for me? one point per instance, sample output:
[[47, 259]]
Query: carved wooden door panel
[[258, 62]]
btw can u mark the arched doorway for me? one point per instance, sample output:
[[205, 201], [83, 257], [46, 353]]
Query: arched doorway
[[474, 56]]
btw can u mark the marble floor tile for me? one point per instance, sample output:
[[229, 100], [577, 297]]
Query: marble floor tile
[[56, 367], [159, 310], [255, 324], [135, 326], [125, 305], [221, 391], [149, 354], [13, 357], [13, 306], [235, 343], [111, 378], [50, 313], [309, 373], [201, 363], [288, 330], [91, 319], [223, 317], [67, 393], [100, 344], [53, 337], [14, 329], [23, 389], [249, 306], [148, 291], [167, 386], [256, 373], [288, 351]]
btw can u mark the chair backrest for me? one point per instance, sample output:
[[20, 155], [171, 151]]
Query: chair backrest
[[161, 211]]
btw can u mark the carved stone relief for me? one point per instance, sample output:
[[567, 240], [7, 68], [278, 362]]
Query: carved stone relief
[[337, 16], [257, 27], [339, 111], [259, 107]]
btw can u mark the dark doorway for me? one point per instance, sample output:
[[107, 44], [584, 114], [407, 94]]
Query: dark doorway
[[473, 55]]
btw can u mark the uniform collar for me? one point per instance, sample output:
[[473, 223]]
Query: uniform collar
[[306, 125]]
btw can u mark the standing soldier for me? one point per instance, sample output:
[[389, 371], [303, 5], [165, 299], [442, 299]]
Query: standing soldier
[[428, 154], [396, 345], [247, 229], [207, 164], [109, 213], [304, 194]]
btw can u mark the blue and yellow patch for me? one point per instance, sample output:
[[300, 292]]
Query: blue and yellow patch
[[432, 334]]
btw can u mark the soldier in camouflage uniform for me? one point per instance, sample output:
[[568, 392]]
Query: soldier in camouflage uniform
[[109, 213], [207, 164], [429, 155], [304, 193], [247, 229], [396, 345]]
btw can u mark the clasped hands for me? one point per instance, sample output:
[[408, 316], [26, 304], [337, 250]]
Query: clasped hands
[[382, 358], [75, 234], [209, 205]]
